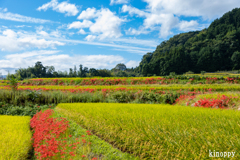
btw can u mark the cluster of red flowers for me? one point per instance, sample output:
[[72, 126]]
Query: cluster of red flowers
[[190, 96], [104, 82], [221, 102], [47, 132], [49, 141]]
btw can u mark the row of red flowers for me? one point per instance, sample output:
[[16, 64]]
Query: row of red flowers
[[221, 102], [49, 137], [126, 81]]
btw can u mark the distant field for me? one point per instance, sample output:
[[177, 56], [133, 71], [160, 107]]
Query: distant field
[[217, 87], [160, 131], [15, 137]]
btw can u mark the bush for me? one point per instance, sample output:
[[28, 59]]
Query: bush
[[29, 110], [203, 72], [189, 72]]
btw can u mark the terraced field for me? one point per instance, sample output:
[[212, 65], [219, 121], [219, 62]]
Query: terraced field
[[182, 117]]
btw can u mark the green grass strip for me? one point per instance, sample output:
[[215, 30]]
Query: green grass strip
[[99, 148], [15, 137], [152, 131]]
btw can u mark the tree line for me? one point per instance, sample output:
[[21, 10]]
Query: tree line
[[41, 71]]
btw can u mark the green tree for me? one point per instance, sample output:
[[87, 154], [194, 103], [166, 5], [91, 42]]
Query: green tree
[[236, 60]]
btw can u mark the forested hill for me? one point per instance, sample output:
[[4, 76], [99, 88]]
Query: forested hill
[[212, 49]]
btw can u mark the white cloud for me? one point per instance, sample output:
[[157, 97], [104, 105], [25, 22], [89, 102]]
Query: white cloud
[[43, 33], [132, 31], [204, 8], [59, 61], [9, 33], [83, 24], [81, 31], [12, 41], [56, 33], [118, 2], [164, 14], [5, 10], [123, 47], [134, 11], [90, 37], [106, 24], [140, 42], [63, 7], [32, 54], [167, 22], [188, 25], [133, 64], [89, 13], [21, 18]]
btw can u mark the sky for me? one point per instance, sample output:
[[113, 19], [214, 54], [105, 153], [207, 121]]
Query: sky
[[97, 34]]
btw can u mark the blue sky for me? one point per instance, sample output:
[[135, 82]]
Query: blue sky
[[96, 34]]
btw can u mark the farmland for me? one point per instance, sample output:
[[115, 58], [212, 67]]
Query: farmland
[[15, 137], [179, 117]]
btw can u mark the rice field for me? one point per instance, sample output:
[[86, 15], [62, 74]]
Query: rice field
[[191, 87], [204, 116], [160, 131], [15, 137]]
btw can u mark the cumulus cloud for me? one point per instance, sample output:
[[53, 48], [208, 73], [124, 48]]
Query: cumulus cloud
[[90, 37], [20, 18], [188, 25], [105, 24], [63, 7], [43, 33], [81, 31], [15, 41], [83, 24], [118, 2], [89, 13], [204, 8], [134, 11], [59, 61], [165, 21], [164, 14]]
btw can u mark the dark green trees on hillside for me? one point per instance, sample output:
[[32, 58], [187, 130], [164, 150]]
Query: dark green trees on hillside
[[212, 49]]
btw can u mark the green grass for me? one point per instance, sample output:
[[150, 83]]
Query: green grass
[[98, 148], [15, 137], [152, 131]]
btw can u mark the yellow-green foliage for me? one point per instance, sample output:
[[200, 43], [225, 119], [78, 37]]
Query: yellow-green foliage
[[3, 84], [215, 95], [217, 87], [223, 74], [152, 131], [15, 137]]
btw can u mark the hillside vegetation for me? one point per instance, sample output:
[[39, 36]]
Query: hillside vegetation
[[212, 49]]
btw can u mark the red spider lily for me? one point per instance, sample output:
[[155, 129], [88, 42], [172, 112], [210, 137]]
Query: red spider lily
[[47, 131], [221, 102]]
